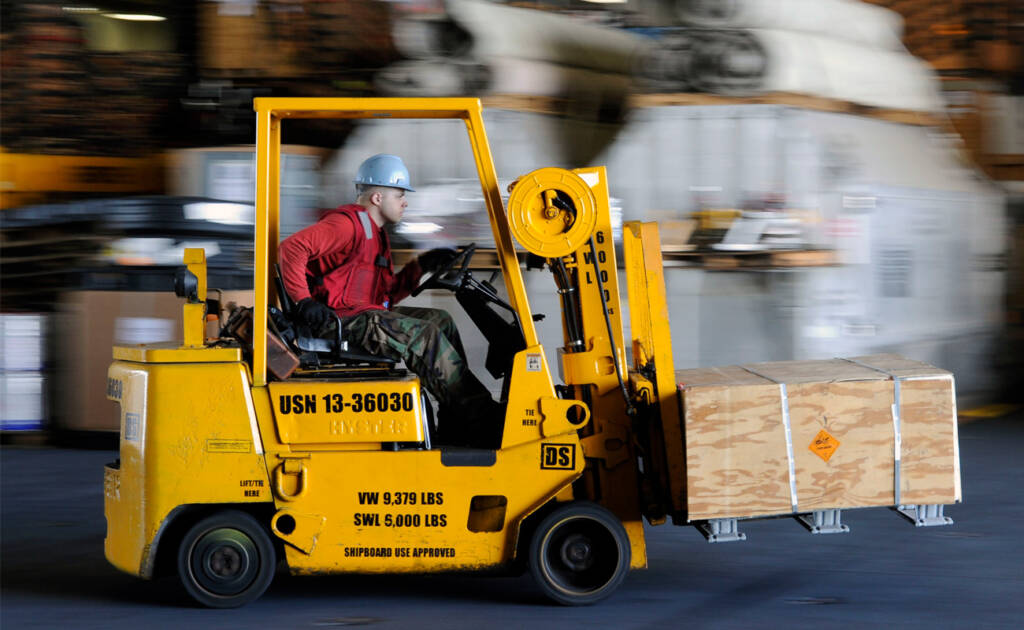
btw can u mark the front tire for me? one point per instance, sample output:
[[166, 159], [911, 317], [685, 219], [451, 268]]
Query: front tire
[[226, 560], [579, 554]]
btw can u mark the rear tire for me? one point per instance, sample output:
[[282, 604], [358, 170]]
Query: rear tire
[[226, 560], [579, 554]]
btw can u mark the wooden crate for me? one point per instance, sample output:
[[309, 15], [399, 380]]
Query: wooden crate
[[839, 449]]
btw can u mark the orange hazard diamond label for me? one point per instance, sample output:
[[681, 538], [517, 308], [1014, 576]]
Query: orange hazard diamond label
[[824, 445]]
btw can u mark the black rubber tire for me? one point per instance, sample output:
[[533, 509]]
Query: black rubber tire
[[579, 554], [226, 560]]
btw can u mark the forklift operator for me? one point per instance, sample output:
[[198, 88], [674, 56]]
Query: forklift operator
[[342, 265]]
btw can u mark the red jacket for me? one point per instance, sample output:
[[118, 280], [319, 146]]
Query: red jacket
[[344, 260]]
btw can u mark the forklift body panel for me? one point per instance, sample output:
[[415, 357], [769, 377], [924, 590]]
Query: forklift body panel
[[188, 436]]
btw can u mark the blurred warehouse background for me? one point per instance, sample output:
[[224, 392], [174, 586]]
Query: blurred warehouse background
[[831, 177]]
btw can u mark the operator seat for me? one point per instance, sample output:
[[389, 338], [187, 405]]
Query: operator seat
[[340, 351]]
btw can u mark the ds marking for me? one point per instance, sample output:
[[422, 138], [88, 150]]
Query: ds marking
[[557, 456]]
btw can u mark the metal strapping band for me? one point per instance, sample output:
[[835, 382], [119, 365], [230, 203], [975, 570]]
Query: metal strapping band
[[364, 218], [896, 428], [789, 436]]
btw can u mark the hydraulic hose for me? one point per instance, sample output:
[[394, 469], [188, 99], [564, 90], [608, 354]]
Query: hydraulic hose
[[630, 409], [570, 305]]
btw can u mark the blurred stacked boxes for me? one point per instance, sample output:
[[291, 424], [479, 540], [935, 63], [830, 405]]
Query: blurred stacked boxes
[[136, 91], [102, 271], [249, 39], [978, 48], [996, 28], [936, 32], [64, 98], [293, 38], [22, 371], [349, 33], [958, 36], [45, 78]]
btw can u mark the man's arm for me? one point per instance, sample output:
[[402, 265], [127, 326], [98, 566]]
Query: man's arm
[[410, 275], [333, 234], [405, 281]]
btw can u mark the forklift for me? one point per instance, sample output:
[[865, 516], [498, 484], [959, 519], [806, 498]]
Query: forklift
[[232, 466]]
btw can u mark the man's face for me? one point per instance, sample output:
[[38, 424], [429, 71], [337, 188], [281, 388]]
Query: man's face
[[392, 204]]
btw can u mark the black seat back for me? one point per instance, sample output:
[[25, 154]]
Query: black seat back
[[340, 350], [287, 306]]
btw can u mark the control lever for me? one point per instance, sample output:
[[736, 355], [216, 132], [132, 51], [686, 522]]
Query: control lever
[[489, 283]]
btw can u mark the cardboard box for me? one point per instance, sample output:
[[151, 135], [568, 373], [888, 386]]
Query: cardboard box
[[791, 437], [91, 322]]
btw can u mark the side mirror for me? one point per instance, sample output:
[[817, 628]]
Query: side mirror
[[186, 285], [190, 283]]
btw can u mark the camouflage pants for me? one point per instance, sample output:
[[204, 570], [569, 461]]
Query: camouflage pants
[[427, 340]]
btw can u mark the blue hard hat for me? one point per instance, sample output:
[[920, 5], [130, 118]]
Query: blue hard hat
[[384, 170]]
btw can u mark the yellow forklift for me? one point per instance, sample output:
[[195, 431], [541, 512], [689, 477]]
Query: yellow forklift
[[227, 471]]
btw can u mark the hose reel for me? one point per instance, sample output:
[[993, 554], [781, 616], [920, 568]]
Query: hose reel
[[552, 212]]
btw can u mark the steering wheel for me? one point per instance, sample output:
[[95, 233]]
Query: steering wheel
[[444, 278]]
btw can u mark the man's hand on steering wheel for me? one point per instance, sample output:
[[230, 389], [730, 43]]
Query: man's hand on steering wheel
[[434, 259], [437, 279]]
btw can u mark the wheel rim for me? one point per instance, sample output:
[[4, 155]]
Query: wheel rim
[[224, 561], [580, 556]]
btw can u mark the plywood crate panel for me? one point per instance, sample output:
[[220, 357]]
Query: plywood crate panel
[[736, 459], [930, 465], [842, 436]]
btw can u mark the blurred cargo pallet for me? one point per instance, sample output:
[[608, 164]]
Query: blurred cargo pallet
[[802, 101], [745, 261]]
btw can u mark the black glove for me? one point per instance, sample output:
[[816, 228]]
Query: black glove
[[315, 314], [436, 259]]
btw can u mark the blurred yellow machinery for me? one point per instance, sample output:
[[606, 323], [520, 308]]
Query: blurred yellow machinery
[[30, 178]]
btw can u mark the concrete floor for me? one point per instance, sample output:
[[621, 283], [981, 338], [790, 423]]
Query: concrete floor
[[885, 573]]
